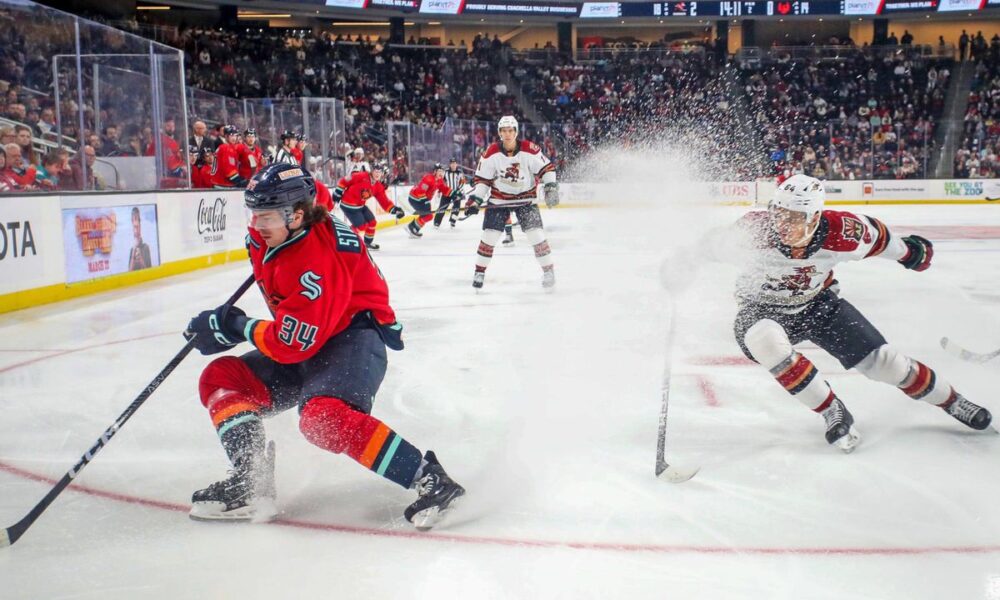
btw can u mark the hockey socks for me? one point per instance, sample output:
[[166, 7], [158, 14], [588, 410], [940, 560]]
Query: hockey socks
[[798, 376], [334, 426], [235, 399]]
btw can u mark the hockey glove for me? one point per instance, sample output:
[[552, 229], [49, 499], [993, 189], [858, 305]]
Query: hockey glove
[[919, 253], [551, 191], [472, 206], [397, 212], [217, 330], [338, 193]]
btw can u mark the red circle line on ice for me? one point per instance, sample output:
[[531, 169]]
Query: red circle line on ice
[[492, 540]]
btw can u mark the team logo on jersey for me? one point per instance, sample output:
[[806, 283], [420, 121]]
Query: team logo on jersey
[[798, 284], [853, 229], [513, 172], [310, 281]]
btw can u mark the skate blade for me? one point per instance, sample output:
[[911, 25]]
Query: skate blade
[[849, 442], [261, 511], [426, 519]]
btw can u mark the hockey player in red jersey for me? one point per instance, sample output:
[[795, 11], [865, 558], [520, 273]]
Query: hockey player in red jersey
[[226, 172], [251, 157], [422, 194], [298, 148], [323, 196], [353, 193], [788, 295], [202, 162], [507, 180], [322, 350]]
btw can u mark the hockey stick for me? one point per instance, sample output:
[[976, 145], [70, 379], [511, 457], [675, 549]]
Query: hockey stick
[[671, 473], [11, 534], [956, 350]]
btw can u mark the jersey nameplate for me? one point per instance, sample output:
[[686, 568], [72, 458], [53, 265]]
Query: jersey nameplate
[[347, 240]]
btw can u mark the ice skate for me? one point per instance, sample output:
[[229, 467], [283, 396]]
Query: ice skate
[[248, 494], [452, 220], [478, 279], [414, 230], [968, 413], [372, 245], [437, 493], [840, 431], [549, 280], [508, 238]]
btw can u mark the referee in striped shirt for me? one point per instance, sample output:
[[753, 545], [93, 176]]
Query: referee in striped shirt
[[455, 179]]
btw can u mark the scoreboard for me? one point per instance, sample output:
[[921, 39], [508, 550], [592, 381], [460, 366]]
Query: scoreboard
[[755, 8]]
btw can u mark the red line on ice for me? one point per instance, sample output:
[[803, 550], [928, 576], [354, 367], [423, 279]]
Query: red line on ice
[[708, 390], [532, 543]]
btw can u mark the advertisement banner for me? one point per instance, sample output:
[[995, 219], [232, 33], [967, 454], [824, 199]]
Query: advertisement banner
[[30, 243], [904, 189], [108, 241], [441, 7], [600, 10]]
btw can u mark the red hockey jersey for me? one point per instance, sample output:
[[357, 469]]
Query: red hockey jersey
[[226, 165], [358, 187], [428, 186], [314, 283], [251, 159]]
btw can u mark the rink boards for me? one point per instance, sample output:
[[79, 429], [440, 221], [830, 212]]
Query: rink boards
[[55, 247]]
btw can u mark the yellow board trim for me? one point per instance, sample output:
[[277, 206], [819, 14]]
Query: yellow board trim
[[65, 291]]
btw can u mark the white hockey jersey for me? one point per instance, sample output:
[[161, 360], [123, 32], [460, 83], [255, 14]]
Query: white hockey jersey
[[510, 178], [358, 165], [778, 275]]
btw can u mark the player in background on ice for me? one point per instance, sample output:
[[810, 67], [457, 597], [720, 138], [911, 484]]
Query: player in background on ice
[[787, 294], [353, 193], [250, 155], [226, 171], [321, 351], [357, 161], [506, 180], [286, 153], [456, 180], [423, 193]]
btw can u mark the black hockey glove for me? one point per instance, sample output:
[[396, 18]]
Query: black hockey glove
[[919, 253], [472, 206], [338, 193], [397, 212], [217, 330], [551, 191]]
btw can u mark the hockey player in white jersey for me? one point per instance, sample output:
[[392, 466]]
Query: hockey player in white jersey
[[506, 179], [357, 162], [787, 294]]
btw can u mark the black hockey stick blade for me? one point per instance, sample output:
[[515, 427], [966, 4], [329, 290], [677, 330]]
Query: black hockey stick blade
[[13, 533], [955, 350]]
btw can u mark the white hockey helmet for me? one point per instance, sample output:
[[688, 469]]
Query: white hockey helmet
[[507, 121], [800, 193], [359, 151]]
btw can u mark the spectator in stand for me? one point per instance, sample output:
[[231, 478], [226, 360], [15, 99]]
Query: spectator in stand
[[7, 136], [907, 39], [109, 142], [7, 181], [173, 160], [23, 139], [963, 45], [47, 177], [22, 174], [46, 123]]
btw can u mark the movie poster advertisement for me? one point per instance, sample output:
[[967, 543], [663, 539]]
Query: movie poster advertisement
[[109, 241]]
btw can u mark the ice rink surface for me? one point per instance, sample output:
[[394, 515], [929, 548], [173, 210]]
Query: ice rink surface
[[545, 408]]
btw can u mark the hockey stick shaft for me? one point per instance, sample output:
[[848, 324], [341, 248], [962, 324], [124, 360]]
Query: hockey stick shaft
[[953, 348], [11, 534], [661, 438]]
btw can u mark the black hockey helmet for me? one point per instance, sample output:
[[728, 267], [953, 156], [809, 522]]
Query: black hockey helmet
[[299, 137], [438, 166], [453, 160], [280, 187], [287, 135], [250, 131], [230, 130]]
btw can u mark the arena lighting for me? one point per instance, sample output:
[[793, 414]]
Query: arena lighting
[[152, 8], [433, 22], [263, 16]]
